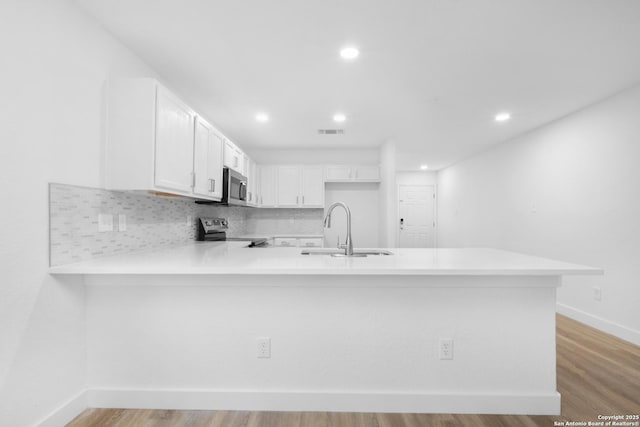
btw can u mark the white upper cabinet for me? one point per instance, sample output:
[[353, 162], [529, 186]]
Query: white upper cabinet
[[267, 184], [300, 187], [288, 186], [312, 187], [207, 160], [234, 157], [155, 142], [352, 173], [366, 173], [337, 173], [252, 181], [174, 143]]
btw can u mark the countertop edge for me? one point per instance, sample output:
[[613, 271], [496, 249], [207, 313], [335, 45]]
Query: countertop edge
[[300, 272]]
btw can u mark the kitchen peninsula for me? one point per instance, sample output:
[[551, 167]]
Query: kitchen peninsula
[[216, 325]]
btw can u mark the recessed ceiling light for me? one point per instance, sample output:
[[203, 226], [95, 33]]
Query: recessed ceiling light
[[339, 117], [349, 52], [502, 117], [262, 117], [424, 167]]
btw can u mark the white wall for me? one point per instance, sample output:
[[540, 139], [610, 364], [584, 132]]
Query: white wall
[[55, 61], [363, 201], [570, 191], [416, 178], [388, 195]]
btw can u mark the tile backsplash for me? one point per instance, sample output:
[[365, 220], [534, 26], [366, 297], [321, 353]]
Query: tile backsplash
[[151, 222], [269, 222]]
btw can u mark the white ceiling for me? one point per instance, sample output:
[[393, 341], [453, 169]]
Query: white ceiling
[[431, 73]]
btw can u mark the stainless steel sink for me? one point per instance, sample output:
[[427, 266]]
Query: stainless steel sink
[[340, 252]]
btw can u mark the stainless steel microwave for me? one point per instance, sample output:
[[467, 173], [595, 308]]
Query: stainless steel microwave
[[234, 190]]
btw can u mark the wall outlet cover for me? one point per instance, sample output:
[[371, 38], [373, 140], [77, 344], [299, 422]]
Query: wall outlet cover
[[105, 222], [263, 347], [446, 349]]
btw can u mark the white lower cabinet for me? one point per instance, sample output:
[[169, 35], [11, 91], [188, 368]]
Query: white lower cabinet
[[285, 241], [315, 242], [298, 242]]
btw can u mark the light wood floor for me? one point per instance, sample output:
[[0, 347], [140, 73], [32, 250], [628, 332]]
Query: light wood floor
[[597, 374]]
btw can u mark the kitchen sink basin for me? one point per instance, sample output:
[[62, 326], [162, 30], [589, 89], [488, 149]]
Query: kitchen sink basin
[[340, 252]]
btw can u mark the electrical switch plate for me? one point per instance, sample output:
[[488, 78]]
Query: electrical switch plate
[[105, 222], [264, 347], [597, 293], [189, 220], [446, 349], [122, 222]]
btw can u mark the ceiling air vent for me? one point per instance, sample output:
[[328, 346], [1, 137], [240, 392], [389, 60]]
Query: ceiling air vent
[[331, 131]]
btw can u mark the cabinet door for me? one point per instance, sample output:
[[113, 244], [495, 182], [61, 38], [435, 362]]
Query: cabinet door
[[174, 143], [285, 241], [268, 186], [310, 242], [367, 173], [232, 157], [288, 186], [338, 173], [258, 184], [312, 182], [242, 166], [253, 182], [207, 161], [250, 173]]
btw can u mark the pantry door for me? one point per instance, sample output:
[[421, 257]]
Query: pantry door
[[416, 216]]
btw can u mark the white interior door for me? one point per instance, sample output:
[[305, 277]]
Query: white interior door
[[416, 216]]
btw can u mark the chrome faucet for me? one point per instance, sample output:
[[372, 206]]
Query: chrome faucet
[[348, 244]]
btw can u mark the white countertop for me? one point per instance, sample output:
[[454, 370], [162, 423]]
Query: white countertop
[[234, 258]]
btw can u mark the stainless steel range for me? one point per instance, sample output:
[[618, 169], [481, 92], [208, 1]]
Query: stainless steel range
[[215, 230]]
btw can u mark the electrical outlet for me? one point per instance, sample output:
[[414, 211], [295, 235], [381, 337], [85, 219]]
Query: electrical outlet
[[597, 293], [105, 222], [264, 347], [446, 349], [189, 220], [122, 222]]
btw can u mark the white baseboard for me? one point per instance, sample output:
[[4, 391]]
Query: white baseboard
[[599, 323], [65, 412], [517, 404]]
